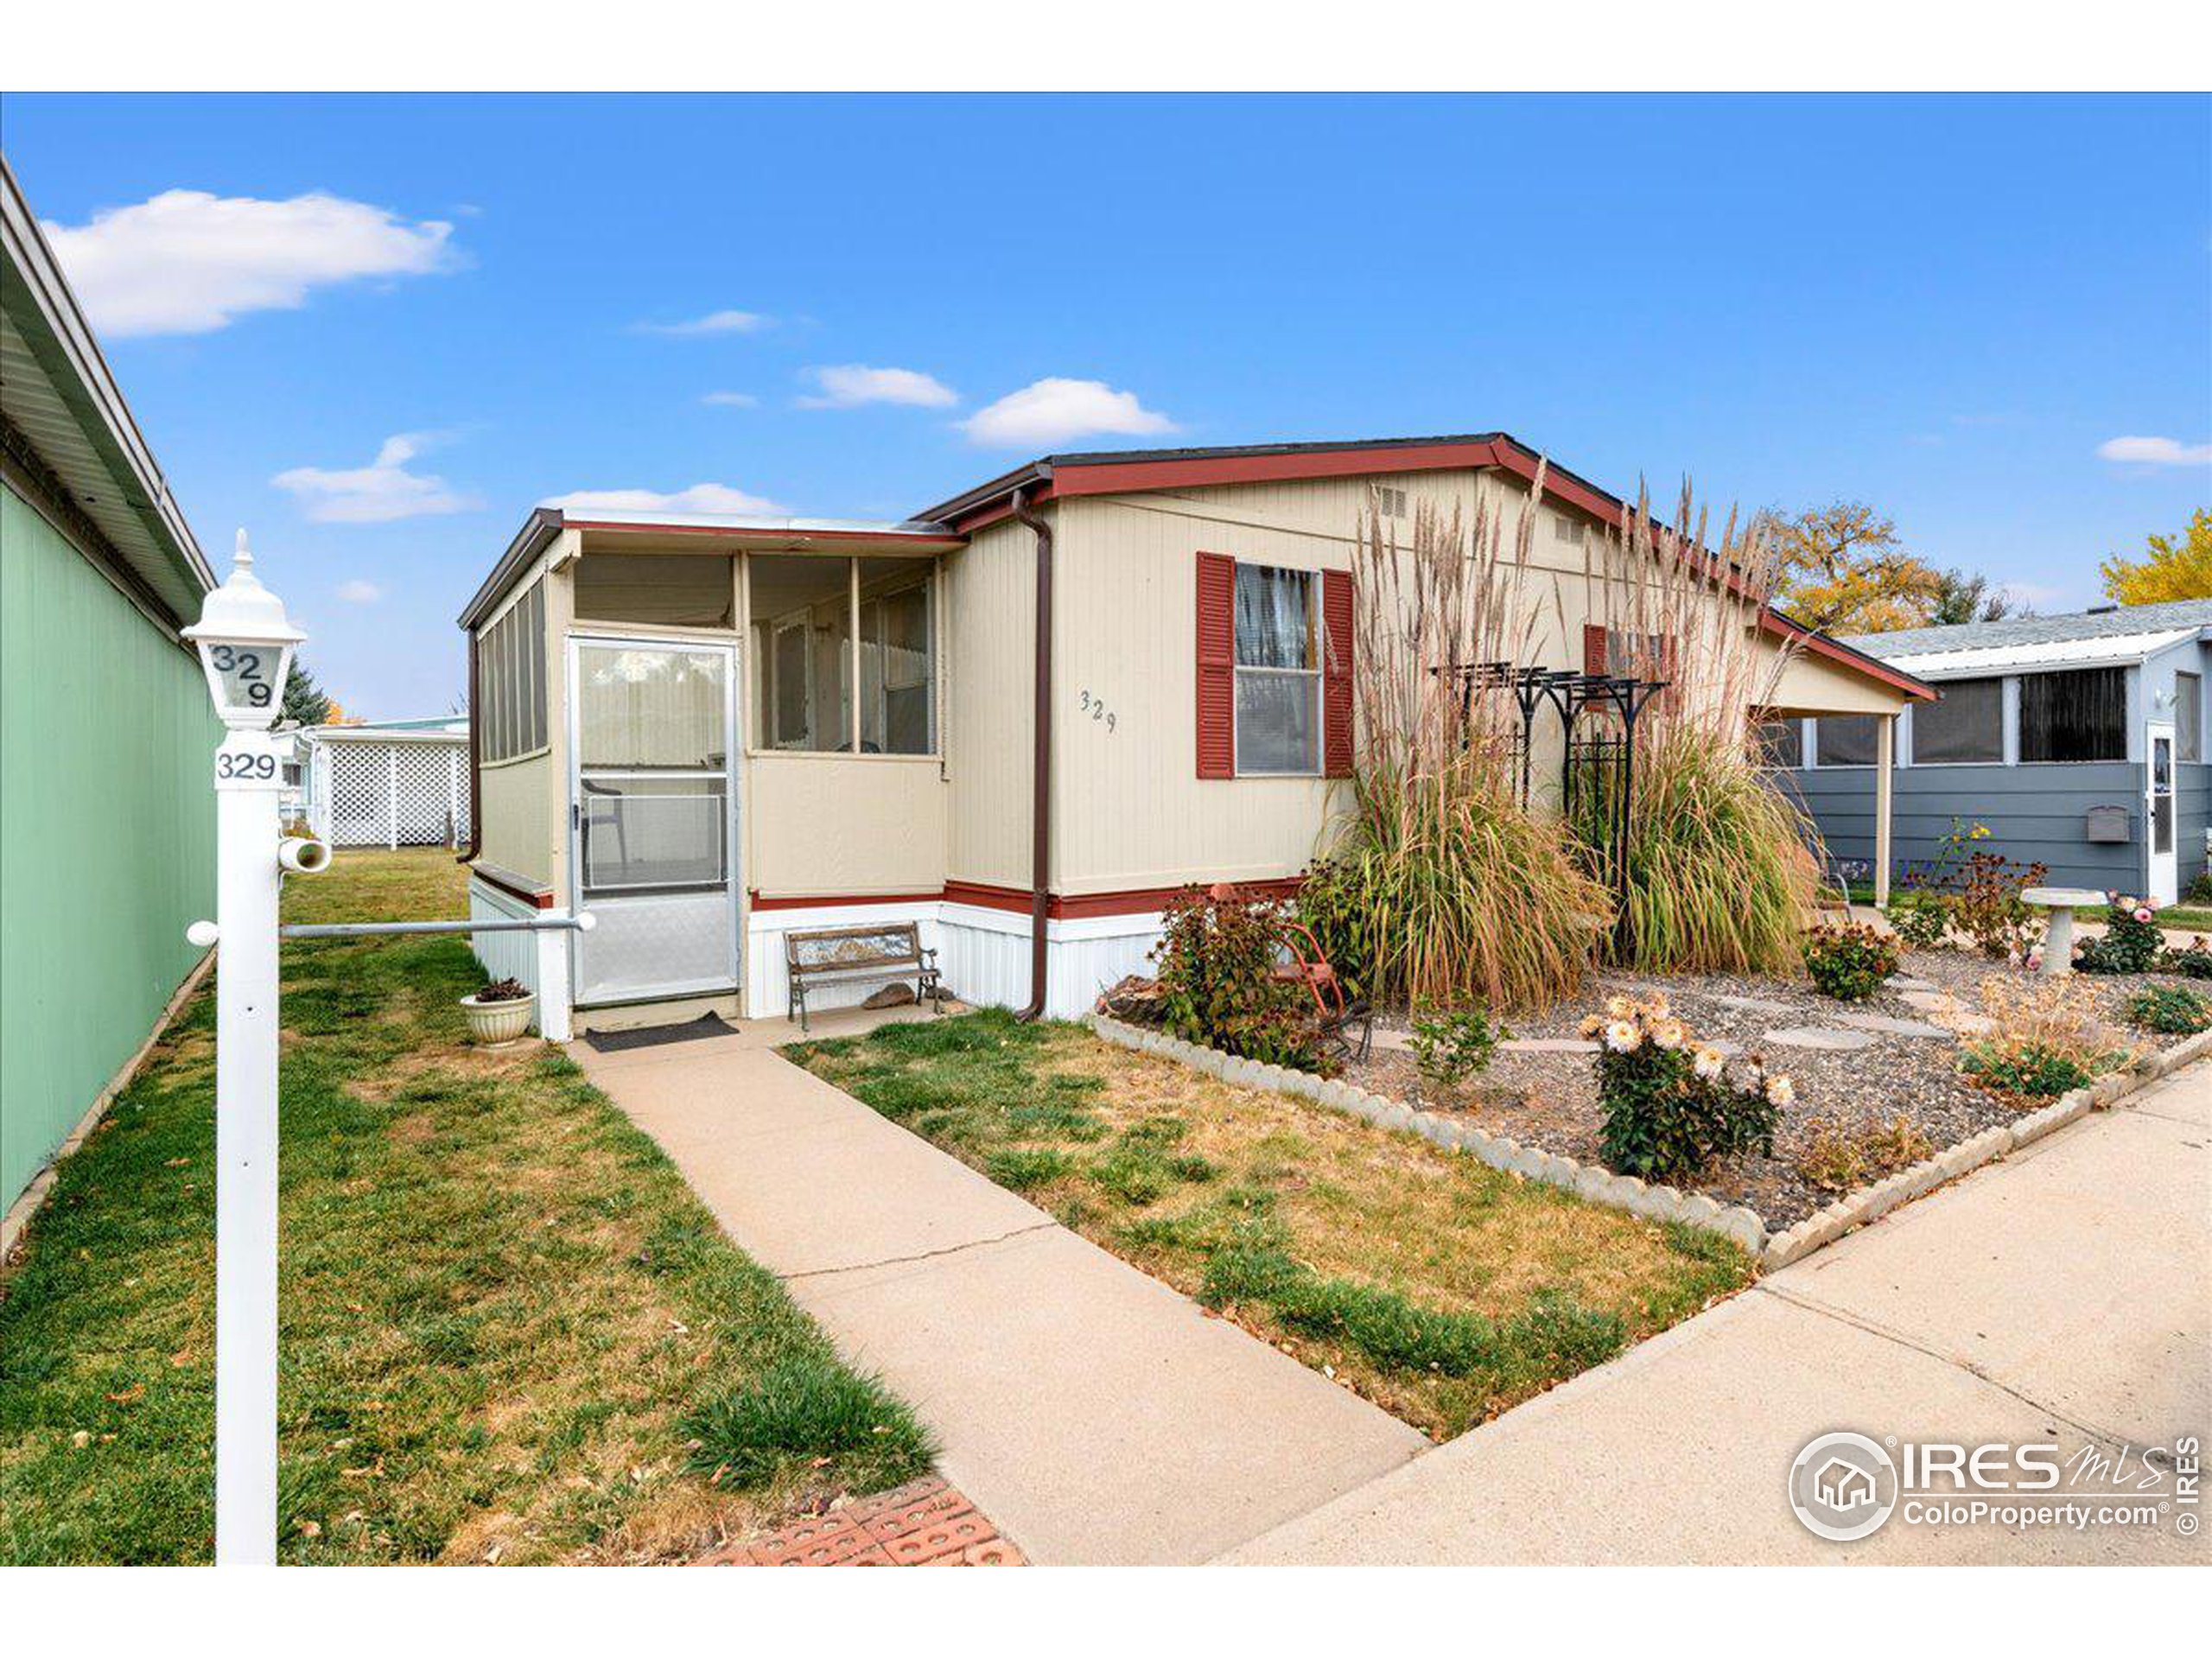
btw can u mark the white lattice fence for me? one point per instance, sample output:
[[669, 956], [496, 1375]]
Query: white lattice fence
[[392, 794]]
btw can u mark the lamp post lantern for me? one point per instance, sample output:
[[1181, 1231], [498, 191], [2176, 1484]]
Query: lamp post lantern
[[245, 643]]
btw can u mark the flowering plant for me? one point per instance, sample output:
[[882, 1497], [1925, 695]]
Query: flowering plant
[[1849, 960], [1670, 1105], [2131, 941]]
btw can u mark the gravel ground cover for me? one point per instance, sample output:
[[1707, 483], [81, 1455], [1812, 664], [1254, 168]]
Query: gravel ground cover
[[1549, 1098]]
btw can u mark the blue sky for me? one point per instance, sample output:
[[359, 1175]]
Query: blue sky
[[1943, 306]]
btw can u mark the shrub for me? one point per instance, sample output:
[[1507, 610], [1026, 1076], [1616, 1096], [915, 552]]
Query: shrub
[[1438, 887], [1451, 1044], [1989, 910], [1922, 921], [1837, 1160], [2191, 961], [1217, 959], [2170, 1010], [1670, 1106], [1718, 879], [2130, 943], [1849, 960], [2045, 1041]]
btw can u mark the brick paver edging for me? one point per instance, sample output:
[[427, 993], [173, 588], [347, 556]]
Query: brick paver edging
[[1737, 1221], [923, 1524]]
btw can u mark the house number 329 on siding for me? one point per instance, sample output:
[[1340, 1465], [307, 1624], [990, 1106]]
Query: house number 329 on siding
[[1097, 711]]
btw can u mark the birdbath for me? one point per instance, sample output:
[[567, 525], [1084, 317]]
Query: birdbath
[[2058, 938]]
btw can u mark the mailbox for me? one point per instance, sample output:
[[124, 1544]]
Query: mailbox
[[2105, 823]]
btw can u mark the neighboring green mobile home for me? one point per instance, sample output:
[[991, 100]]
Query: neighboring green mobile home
[[106, 733]]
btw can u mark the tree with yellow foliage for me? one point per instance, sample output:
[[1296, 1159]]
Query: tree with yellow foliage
[[2173, 569], [1845, 571]]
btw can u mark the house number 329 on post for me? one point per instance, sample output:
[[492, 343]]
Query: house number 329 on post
[[248, 675]]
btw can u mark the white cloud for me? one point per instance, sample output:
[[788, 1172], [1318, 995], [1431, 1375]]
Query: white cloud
[[379, 493], [1053, 410], [731, 400], [700, 497], [715, 322], [357, 592], [2157, 452], [846, 385], [187, 262]]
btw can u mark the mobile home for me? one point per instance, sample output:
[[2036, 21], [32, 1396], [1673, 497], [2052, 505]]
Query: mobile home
[[2078, 739], [1020, 719]]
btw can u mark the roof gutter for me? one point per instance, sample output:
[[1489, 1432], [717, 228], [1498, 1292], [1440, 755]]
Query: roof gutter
[[1040, 765]]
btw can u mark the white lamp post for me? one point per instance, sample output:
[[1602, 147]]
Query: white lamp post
[[245, 643]]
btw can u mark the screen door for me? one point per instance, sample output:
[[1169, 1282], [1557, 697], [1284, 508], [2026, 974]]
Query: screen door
[[653, 818]]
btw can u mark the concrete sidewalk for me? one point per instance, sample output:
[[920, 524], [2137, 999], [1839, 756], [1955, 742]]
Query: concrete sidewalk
[[1095, 1414], [2062, 1295]]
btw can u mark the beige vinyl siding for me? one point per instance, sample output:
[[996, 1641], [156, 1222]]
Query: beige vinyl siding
[[514, 806], [988, 639], [1129, 810], [836, 825]]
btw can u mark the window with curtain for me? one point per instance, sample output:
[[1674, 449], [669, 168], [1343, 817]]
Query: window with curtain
[[2081, 715], [1845, 741], [1278, 672], [2189, 717], [511, 681], [1964, 726]]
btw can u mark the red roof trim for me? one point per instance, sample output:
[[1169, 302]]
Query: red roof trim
[[923, 538]]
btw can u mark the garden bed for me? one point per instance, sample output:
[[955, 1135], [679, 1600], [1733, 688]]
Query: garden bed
[[1549, 1098]]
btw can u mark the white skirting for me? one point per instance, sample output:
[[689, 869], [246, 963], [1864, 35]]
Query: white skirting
[[983, 953], [538, 961]]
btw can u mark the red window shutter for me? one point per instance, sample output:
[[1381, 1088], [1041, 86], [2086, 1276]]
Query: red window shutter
[[1216, 665], [1335, 673], [1666, 670], [1593, 648]]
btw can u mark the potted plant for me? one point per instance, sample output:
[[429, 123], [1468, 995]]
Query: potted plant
[[499, 1013]]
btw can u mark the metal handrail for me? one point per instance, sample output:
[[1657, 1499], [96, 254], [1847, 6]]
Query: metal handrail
[[581, 923]]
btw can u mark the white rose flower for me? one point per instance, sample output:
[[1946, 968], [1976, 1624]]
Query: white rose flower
[[1780, 1091], [1668, 1033], [1622, 1037], [1710, 1063]]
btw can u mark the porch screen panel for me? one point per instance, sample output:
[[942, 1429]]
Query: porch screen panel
[[802, 619], [654, 832], [671, 589], [897, 664], [1966, 725], [1845, 741], [2081, 715]]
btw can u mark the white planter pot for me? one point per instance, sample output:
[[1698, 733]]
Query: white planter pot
[[493, 1024]]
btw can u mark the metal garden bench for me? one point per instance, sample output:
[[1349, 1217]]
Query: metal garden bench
[[888, 951]]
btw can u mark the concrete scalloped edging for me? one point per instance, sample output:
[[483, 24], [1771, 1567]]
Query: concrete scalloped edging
[[1741, 1225], [1737, 1222]]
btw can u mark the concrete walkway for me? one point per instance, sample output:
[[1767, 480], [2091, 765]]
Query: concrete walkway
[[2063, 1295], [1094, 1413]]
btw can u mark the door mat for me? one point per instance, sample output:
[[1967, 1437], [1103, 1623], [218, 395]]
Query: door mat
[[617, 1042]]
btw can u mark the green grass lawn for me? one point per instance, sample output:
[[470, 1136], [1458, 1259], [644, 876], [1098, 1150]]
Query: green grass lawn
[[2174, 916], [1442, 1289], [509, 1331]]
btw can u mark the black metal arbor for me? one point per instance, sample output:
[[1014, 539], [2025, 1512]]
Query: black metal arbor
[[1598, 756]]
